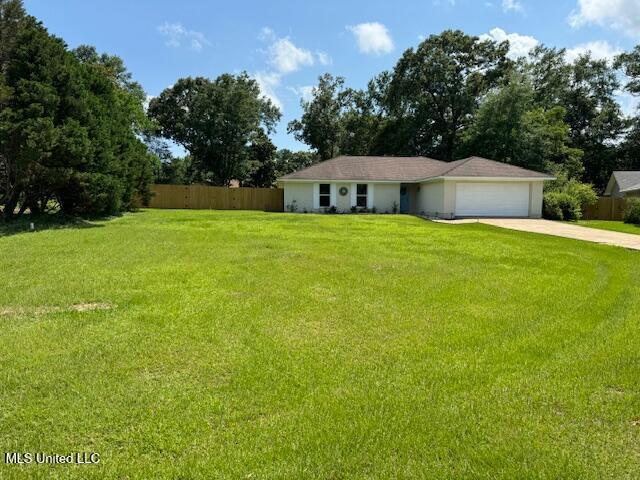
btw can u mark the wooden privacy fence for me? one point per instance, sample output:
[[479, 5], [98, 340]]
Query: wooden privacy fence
[[606, 208], [202, 197]]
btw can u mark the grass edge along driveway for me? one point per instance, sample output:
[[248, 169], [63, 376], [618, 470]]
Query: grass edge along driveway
[[612, 225]]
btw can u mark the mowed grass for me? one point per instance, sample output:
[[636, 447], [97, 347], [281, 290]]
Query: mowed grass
[[256, 345], [611, 225]]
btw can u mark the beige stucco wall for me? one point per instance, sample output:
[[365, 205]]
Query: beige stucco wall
[[436, 198], [385, 195], [430, 199], [302, 193], [535, 199], [449, 203]]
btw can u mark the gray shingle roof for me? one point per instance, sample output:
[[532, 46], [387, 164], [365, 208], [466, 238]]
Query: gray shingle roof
[[408, 169], [627, 181], [370, 168]]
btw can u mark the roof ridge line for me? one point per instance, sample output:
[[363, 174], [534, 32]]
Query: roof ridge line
[[424, 157], [451, 169]]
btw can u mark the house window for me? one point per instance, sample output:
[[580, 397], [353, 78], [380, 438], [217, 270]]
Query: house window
[[325, 195], [361, 195]]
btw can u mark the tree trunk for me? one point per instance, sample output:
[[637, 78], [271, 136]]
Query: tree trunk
[[9, 207], [23, 207]]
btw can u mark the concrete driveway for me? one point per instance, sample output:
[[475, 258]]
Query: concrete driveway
[[560, 229]]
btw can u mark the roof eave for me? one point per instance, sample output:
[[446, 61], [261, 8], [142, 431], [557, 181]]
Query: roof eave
[[484, 177], [339, 180], [421, 180]]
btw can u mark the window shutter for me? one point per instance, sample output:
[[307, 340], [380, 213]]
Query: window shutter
[[316, 196], [370, 203]]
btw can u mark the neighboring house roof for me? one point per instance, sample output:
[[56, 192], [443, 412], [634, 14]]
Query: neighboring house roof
[[627, 182], [408, 169]]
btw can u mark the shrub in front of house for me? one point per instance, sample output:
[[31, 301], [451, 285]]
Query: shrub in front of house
[[292, 207], [561, 206], [632, 212], [582, 192], [565, 199]]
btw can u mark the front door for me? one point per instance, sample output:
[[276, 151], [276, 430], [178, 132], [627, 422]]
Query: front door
[[404, 199]]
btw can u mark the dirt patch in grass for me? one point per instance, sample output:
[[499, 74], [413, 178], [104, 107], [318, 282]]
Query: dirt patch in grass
[[88, 307], [44, 310]]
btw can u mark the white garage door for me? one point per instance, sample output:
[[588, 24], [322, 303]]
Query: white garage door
[[492, 199]]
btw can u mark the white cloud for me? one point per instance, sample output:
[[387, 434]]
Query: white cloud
[[519, 45], [511, 6], [600, 50], [623, 15], [285, 57], [304, 92], [269, 82], [324, 58], [373, 38], [177, 35], [266, 34]]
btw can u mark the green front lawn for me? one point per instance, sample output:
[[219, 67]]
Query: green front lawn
[[611, 225], [198, 344]]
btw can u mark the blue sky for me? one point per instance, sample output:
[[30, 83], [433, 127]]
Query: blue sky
[[286, 45]]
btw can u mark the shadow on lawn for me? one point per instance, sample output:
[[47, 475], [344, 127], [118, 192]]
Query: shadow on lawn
[[56, 221]]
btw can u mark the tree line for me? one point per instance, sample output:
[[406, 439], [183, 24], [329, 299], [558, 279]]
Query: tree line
[[70, 125], [76, 136], [457, 95], [224, 125], [452, 96]]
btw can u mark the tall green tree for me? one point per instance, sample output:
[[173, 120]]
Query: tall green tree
[[68, 125], [338, 120], [511, 128], [549, 74], [629, 62], [287, 161], [116, 105], [597, 123], [362, 122], [261, 167], [435, 90], [215, 121], [586, 90], [41, 134], [321, 125]]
